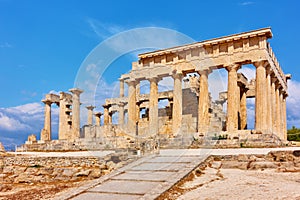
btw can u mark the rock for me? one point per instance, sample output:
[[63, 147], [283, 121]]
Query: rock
[[263, 165], [96, 173], [69, 172], [2, 149], [234, 165], [242, 157], [216, 164], [83, 173]]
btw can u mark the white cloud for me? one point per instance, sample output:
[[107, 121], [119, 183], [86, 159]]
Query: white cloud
[[103, 30], [246, 3], [293, 106], [11, 124]]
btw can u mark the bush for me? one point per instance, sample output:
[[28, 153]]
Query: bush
[[293, 134]]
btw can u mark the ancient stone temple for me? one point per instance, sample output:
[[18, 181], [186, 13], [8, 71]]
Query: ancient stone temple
[[190, 111]]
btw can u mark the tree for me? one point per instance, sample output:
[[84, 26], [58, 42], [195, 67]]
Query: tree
[[293, 134]]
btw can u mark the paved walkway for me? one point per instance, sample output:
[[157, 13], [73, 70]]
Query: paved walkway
[[150, 176]]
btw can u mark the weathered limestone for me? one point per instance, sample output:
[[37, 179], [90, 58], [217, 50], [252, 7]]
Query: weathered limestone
[[46, 132], [232, 104], [98, 118], [65, 117], [131, 106], [76, 112], [121, 87], [177, 104], [106, 114], [153, 107], [2, 149], [203, 104], [260, 97], [278, 110], [243, 109], [269, 101], [90, 114], [121, 113]]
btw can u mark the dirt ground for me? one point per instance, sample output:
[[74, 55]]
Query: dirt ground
[[239, 184], [34, 192]]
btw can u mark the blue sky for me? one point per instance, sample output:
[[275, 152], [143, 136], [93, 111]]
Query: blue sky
[[43, 43]]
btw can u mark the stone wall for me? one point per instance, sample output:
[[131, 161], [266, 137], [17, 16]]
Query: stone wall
[[32, 170]]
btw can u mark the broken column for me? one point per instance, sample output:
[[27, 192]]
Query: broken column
[[90, 114], [98, 118]]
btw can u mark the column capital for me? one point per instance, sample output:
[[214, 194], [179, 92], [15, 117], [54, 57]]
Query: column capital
[[204, 72], [106, 106], [261, 63], [90, 107], [46, 101], [233, 67], [121, 103], [76, 91], [98, 114]]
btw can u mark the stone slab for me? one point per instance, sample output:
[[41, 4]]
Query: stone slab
[[173, 159], [159, 166], [144, 176], [125, 187], [105, 196]]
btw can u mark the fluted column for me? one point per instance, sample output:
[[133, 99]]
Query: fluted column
[[269, 100], [232, 98], [284, 131], [243, 109], [177, 104], [121, 113], [137, 91], [131, 106], [76, 112], [121, 87], [203, 103], [106, 114], [98, 118], [281, 115], [260, 97], [278, 115], [153, 107], [46, 132], [273, 104], [90, 114]]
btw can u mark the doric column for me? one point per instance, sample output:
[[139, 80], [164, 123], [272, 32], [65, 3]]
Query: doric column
[[232, 98], [273, 104], [46, 132], [281, 115], [153, 107], [121, 113], [98, 118], [269, 100], [137, 91], [121, 87], [131, 106], [106, 114], [284, 131], [260, 97], [177, 104], [76, 112], [243, 109], [203, 103], [278, 114], [90, 114]]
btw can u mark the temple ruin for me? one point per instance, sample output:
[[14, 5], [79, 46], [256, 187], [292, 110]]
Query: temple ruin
[[190, 111]]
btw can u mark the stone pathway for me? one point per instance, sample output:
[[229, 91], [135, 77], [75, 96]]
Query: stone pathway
[[150, 176]]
